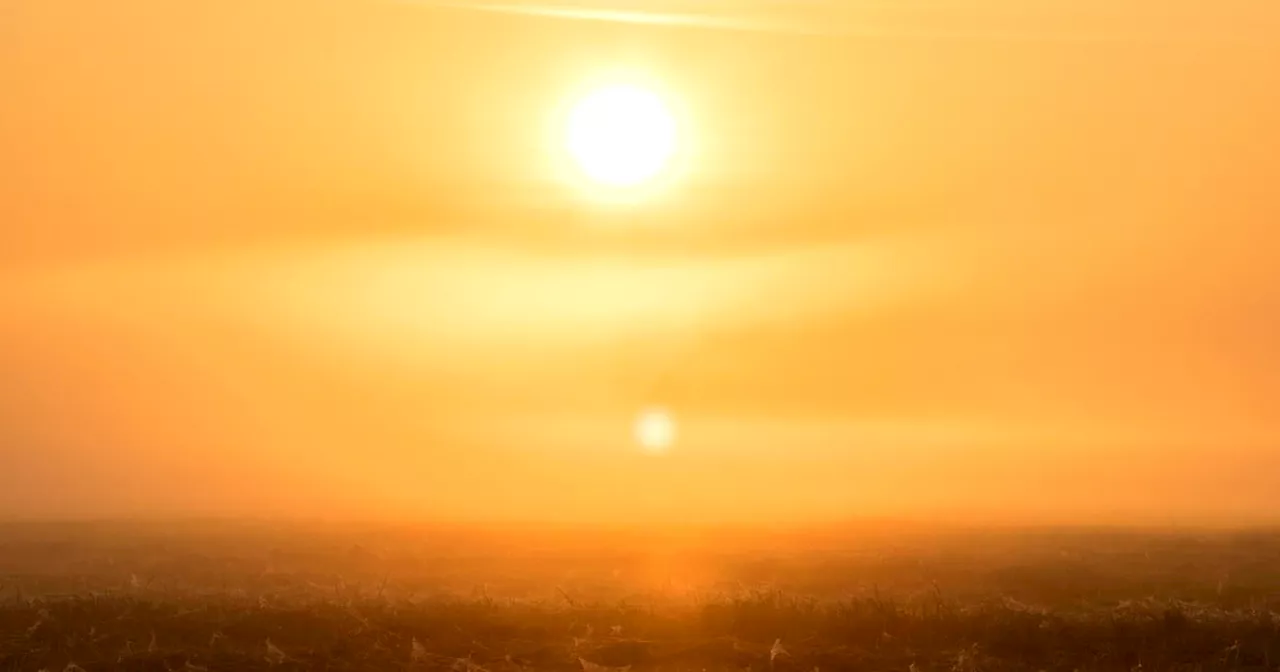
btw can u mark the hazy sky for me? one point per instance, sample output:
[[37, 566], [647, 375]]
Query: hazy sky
[[965, 258]]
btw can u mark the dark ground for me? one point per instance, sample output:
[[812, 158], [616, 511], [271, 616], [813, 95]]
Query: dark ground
[[211, 595]]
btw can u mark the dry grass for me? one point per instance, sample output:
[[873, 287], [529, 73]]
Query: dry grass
[[133, 604]]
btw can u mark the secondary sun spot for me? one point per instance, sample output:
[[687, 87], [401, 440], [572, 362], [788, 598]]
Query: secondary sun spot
[[621, 135], [655, 430]]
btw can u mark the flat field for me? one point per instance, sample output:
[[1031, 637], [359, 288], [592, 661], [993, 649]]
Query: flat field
[[247, 596]]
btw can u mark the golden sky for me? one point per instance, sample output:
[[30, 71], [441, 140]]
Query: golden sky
[[973, 259]]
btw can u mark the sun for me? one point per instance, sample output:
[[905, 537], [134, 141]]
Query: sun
[[655, 430], [621, 135]]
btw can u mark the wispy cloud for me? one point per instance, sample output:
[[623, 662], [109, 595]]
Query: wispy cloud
[[695, 20], [889, 21]]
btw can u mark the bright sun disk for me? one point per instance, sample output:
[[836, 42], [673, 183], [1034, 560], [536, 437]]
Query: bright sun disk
[[621, 135]]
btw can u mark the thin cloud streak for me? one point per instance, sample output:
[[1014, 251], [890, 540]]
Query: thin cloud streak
[[827, 27]]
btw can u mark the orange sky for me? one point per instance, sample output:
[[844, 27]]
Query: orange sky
[[970, 259]]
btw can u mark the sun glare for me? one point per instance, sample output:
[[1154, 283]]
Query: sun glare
[[621, 135], [655, 430]]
